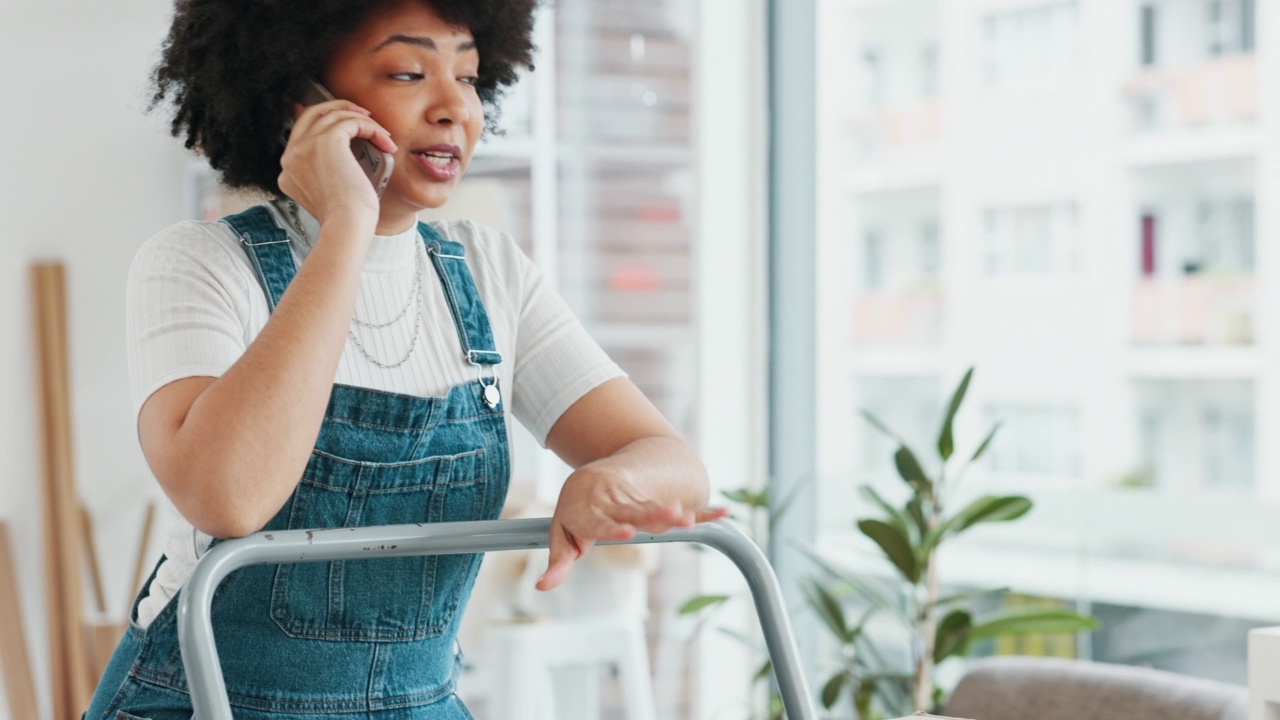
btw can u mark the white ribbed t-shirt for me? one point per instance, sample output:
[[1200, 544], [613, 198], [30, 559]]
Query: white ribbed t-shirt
[[194, 304]]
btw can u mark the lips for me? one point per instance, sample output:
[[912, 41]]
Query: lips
[[440, 162]]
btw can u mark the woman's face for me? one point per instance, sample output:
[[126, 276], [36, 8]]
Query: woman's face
[[417, 76]]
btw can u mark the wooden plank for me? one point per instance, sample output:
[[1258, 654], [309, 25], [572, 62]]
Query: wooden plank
[[102, 640], [53, 574], [14, 659], [54, 368], [81, 685], [91, 557]]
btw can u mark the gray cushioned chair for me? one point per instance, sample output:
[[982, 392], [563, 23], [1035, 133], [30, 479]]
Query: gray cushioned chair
[[1023, 688]]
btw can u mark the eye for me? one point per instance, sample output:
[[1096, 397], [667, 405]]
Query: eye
[[471, 80], [407, 76]]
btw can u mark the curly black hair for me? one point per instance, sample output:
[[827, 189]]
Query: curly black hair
[[228, 68]]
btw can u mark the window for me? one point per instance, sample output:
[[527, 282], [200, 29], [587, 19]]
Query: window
[[929, 71], [1136, 394], [1197, 434], [873, 74], [873, 260], [1027, 48], [930, 251], [1036, 440], [1031, 241], [1229, 27], [1148, 30]]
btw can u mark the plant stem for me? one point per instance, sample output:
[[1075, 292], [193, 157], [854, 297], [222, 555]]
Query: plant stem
[[926, 621]]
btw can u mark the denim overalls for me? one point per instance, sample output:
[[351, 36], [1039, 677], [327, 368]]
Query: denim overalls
[[366, 640]]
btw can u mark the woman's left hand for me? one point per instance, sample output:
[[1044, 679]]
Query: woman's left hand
[[599, 505]]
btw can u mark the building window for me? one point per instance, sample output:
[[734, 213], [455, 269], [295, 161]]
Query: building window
[[1223, 238], [1031, 241], [873, 260], [930, 249], [873, 72], [1036, 440], [1197, 434], [1230, 27], [1148, 52], [1027, 48], [929, 71]]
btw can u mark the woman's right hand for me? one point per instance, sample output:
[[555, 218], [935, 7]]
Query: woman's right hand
[[318, 169]]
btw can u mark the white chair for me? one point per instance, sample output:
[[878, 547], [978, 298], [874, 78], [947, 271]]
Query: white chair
[[552, 670], [1264, 674]]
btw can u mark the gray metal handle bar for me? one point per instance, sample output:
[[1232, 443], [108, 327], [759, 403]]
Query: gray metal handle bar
[[195, 625]]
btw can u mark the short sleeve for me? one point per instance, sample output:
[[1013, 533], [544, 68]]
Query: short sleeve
[[557, 361], [186, 308]]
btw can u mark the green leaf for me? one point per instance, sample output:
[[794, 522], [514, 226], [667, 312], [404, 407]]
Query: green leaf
[[916, 512], [985, 443], [990, 508], [896, 517], [895, 546], [910, 470], [864, 694], [1032, 622], [700, 602], [831, 691], [776, 709], [875, 423], [967, 595], [829, 609], [763, 672], [952, 635], [748, 497], [946, 443]]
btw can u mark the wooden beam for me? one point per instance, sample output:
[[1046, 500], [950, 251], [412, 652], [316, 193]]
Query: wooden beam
[[14, 659], [71, 682]]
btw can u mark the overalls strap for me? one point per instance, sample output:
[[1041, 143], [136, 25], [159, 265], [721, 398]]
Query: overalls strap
[[267, 245], [468, 312]]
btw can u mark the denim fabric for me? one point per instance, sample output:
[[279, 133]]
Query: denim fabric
[[366, 640], [473, 324], [275, 269]]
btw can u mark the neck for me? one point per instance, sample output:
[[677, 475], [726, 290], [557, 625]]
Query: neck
[[395, 224]]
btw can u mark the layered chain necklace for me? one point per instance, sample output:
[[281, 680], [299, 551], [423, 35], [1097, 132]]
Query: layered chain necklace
[[414, 301]]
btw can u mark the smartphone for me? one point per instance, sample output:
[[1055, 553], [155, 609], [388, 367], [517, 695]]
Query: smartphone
[[377, 165]]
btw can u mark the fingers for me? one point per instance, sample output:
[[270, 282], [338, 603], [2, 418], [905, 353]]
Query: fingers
[[305, 115], [565, 549], [711, 514], [351, 125]]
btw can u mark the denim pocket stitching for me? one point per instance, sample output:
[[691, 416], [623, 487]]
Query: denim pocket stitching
[[404, 463]]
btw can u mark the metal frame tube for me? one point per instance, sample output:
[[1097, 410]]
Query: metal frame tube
[[195, 626]]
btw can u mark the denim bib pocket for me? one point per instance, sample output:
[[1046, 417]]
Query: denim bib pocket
[[386, 599], [122, 715]]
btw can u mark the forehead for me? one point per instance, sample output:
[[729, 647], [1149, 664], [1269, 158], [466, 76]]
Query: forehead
[[412, 18]]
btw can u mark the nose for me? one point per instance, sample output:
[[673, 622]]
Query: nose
[[448, 105]]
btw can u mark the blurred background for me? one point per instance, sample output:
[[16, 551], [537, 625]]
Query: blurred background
[[1071, 196]]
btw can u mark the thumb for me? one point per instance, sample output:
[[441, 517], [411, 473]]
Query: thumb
[[563, 552]]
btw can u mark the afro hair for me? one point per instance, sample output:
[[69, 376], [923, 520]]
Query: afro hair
[[228, 68]]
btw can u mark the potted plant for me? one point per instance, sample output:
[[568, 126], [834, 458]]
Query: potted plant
[[909, 536]]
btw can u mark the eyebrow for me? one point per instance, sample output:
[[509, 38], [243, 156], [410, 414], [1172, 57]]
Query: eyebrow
[[422, 42]]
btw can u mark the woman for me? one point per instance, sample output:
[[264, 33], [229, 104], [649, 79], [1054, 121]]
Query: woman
[[239, 329]]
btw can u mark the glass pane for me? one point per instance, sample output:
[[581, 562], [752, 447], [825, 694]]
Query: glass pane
[[594, 178], [1067, 195]]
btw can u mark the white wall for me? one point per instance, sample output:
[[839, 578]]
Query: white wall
[[87, 177]]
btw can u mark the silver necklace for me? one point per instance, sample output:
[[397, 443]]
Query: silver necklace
[[414, 300]]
